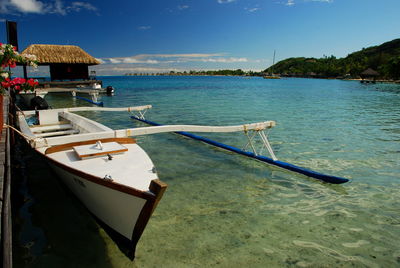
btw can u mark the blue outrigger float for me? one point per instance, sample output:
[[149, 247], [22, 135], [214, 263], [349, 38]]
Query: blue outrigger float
[[98, 103], [254, 155]]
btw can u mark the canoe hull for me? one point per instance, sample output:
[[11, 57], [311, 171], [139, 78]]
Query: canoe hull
[[113, 177], [122, 209], [107, 204]]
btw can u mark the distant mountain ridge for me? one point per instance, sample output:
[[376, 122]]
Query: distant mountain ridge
[[384, 58]]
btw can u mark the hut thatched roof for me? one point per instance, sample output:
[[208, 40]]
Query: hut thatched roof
[[369, 72], [48, 54]]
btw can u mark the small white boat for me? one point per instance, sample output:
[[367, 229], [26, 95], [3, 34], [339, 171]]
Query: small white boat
[[106, 169], [272, 75], [113, 177]]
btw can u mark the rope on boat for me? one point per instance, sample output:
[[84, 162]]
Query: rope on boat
[[28, 138], [19, 132]]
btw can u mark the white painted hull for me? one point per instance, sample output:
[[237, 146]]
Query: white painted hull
[[113, 177], [118, 210], [118, 203]]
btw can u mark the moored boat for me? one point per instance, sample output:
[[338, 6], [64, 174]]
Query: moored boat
[[105, 168], [272, 75], [113, 177]]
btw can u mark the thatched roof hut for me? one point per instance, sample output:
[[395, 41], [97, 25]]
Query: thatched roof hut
[[49, 54], [66, 62], [369, 73]]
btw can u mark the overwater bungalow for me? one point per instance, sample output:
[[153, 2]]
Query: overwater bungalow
[[69, 65], [369, 76]]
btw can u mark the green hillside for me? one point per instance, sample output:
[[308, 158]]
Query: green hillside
[[384, 58]]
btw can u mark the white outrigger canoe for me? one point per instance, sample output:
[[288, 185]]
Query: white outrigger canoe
[[106, 169]]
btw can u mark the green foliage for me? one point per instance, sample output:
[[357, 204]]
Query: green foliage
[[384, 58]]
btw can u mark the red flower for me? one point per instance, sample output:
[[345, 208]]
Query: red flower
[[32, 82], [5, 84]]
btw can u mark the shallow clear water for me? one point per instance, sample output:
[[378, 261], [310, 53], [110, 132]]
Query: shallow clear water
[[225, 210]]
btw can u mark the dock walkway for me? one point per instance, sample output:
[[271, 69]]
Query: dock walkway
[[5, 188], [93, 93]]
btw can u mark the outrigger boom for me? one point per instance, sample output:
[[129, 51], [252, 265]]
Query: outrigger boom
[[254, 155], [130, 132], [183, 130]]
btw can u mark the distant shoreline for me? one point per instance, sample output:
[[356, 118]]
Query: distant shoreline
[[249, 76]]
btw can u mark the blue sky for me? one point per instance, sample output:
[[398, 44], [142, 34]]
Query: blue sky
[[162, 35]]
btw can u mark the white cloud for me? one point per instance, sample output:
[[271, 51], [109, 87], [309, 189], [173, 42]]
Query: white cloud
[[112, 61], [172, 58], [290, 3], [225, 60], [122, 69], [133, 60], [58, 8], [193, 55], [182, 7], [42, 7], [179, 63], [139, 69], [78, 6], [144, 28], [27, 6], [100, 60], [163, 63], [225, 1], [251, 10], [128, 60]]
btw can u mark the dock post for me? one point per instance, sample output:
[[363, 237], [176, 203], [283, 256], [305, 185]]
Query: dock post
[[94, 96], [5, 182]]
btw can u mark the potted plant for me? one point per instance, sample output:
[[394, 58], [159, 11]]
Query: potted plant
[[9, 57]]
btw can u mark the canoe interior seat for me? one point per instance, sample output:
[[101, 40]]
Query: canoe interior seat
[[99, 149], [47, 117], [54, 127], [69, 146], [57, 133]]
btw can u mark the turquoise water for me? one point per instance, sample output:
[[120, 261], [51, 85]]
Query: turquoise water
[[225, 210]]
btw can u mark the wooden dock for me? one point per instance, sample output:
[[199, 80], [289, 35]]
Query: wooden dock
[[5, 164], [69, 84], [5, 187], [42, 92]]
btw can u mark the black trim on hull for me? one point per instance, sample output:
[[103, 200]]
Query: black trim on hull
[[152, 197]]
